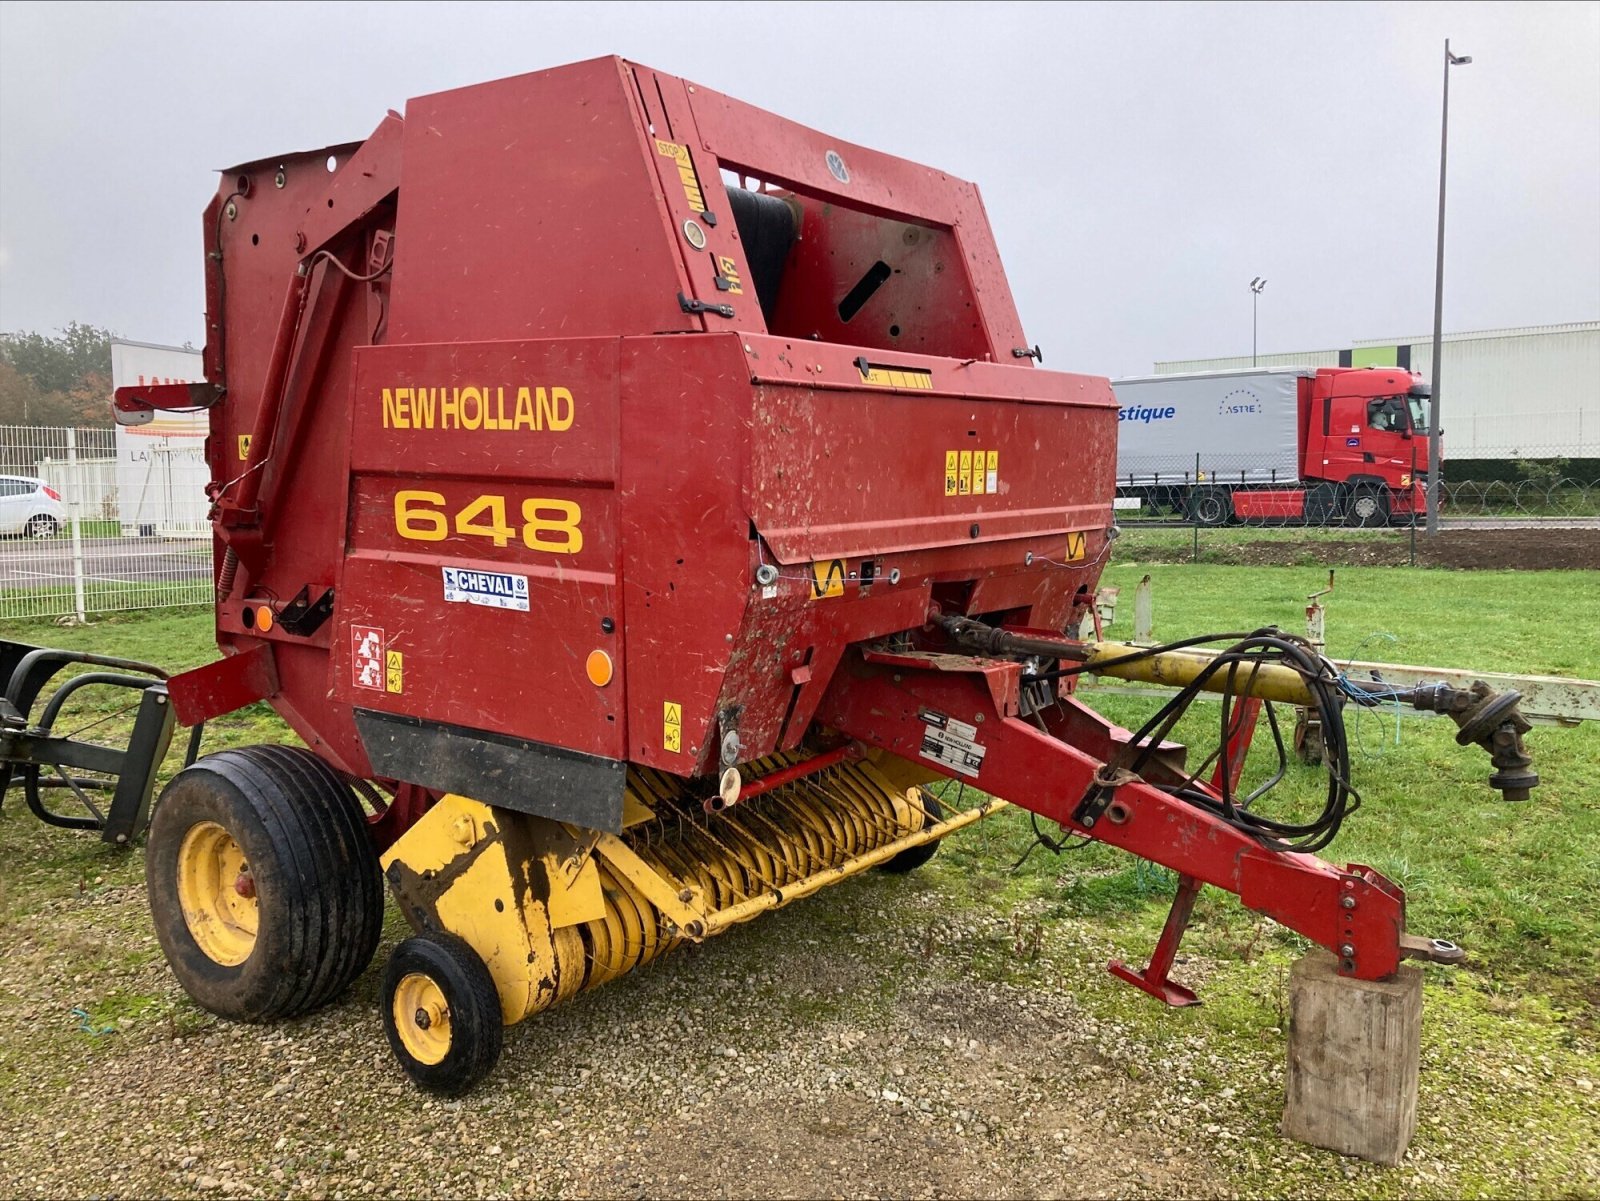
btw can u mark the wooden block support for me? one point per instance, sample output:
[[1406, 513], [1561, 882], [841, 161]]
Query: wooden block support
[[1354, 1049]]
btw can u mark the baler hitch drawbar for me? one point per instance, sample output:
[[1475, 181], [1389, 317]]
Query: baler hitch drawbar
[[1063, 762]]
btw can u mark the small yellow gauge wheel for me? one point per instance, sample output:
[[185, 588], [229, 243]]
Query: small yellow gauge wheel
[[441, 1013], [264, 887]]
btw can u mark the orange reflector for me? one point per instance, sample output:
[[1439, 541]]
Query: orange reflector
[[599, 668], [264, 618]]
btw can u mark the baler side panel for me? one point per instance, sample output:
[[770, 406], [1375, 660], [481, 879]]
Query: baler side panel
[[685, 534], [483, 542], [507, 181], [845, 474], [302, 544], [850, 491]]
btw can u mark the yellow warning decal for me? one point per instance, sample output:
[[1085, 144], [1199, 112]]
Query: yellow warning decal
[[729, 271], [1077, 545], [244, 447], [827, 579], [971, 472], [691, 182], [672, 726], [898, 377], [393, 672]]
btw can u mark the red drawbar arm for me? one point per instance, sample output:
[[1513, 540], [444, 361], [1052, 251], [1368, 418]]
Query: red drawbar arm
[[922, 707]]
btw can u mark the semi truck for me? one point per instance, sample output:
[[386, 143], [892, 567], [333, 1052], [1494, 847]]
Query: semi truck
[[1312, 445]]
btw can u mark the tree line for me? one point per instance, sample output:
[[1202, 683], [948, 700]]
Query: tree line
[[56, 379]]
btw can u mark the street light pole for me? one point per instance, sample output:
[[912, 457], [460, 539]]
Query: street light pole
[[1435, 452], [1255, 294]]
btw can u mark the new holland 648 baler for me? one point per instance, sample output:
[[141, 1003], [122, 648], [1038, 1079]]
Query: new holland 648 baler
[[633, 499]]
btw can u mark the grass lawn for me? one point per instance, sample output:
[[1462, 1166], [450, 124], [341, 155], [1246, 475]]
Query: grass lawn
[[1511, 1056]]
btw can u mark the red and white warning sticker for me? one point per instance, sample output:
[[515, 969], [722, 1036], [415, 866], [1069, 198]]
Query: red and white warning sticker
[[366, 657]]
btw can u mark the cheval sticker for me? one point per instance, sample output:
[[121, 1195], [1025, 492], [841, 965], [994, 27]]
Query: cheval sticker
[[492, 589], [952, 743]]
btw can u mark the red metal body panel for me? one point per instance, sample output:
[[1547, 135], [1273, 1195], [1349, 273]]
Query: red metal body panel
[[425, 422], [1277, 505], [529, 209]]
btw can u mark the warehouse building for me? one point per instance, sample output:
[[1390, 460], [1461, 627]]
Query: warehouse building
[[1506, 394]]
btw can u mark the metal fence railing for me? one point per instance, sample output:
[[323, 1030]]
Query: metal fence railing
[[91, 521], [1232, 501], [1215, 500]]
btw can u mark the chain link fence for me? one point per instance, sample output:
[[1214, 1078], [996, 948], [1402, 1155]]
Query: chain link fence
[[93, 520], [1214, 498], [1230, 500]]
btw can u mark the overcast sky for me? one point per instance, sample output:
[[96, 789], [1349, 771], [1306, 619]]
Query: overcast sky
[[1140, 162]]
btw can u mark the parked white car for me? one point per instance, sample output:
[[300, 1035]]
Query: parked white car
[[30, 507]]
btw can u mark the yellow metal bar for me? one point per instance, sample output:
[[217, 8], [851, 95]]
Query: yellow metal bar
[[723, 918], [652, 885], [1178, 669]]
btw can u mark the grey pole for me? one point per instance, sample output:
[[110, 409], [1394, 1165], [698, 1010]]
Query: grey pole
[[1255, 294], [1435, 464]]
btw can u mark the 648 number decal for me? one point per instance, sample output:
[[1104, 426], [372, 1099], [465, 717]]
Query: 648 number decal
[[547, 524]]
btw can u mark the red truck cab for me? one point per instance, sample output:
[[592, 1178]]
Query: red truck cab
[[1363, 450]]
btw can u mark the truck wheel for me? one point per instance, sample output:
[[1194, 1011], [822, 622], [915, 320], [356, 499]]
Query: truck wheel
[[907, 861], [1210, 506], [265, 891], [441, 1013], [1366, 506]]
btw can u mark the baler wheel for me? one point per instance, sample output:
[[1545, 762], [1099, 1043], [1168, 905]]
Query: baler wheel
[[263, 886], [907, 861], [441, 1013]]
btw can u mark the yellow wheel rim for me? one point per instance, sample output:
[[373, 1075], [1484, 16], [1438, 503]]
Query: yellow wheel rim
[[217, 894], [422, 1018]]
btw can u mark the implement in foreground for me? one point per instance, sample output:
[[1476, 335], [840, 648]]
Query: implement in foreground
[[636, 501]]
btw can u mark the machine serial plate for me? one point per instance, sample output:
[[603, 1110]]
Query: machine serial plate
[[952, 743]]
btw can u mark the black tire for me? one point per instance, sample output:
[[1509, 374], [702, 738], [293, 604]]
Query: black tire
[[915, 857], [1366, 507], [41, 525], [1210, 506], [291, 825], [468, 1046]]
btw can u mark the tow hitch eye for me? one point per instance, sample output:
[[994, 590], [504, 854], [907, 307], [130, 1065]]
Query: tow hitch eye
[[1434, 950], [1492, 720]]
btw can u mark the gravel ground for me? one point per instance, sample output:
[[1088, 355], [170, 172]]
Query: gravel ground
[[886, 1038]]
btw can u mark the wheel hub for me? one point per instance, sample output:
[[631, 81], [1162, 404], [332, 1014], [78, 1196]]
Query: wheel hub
[[422, 1018], [222, 916]]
